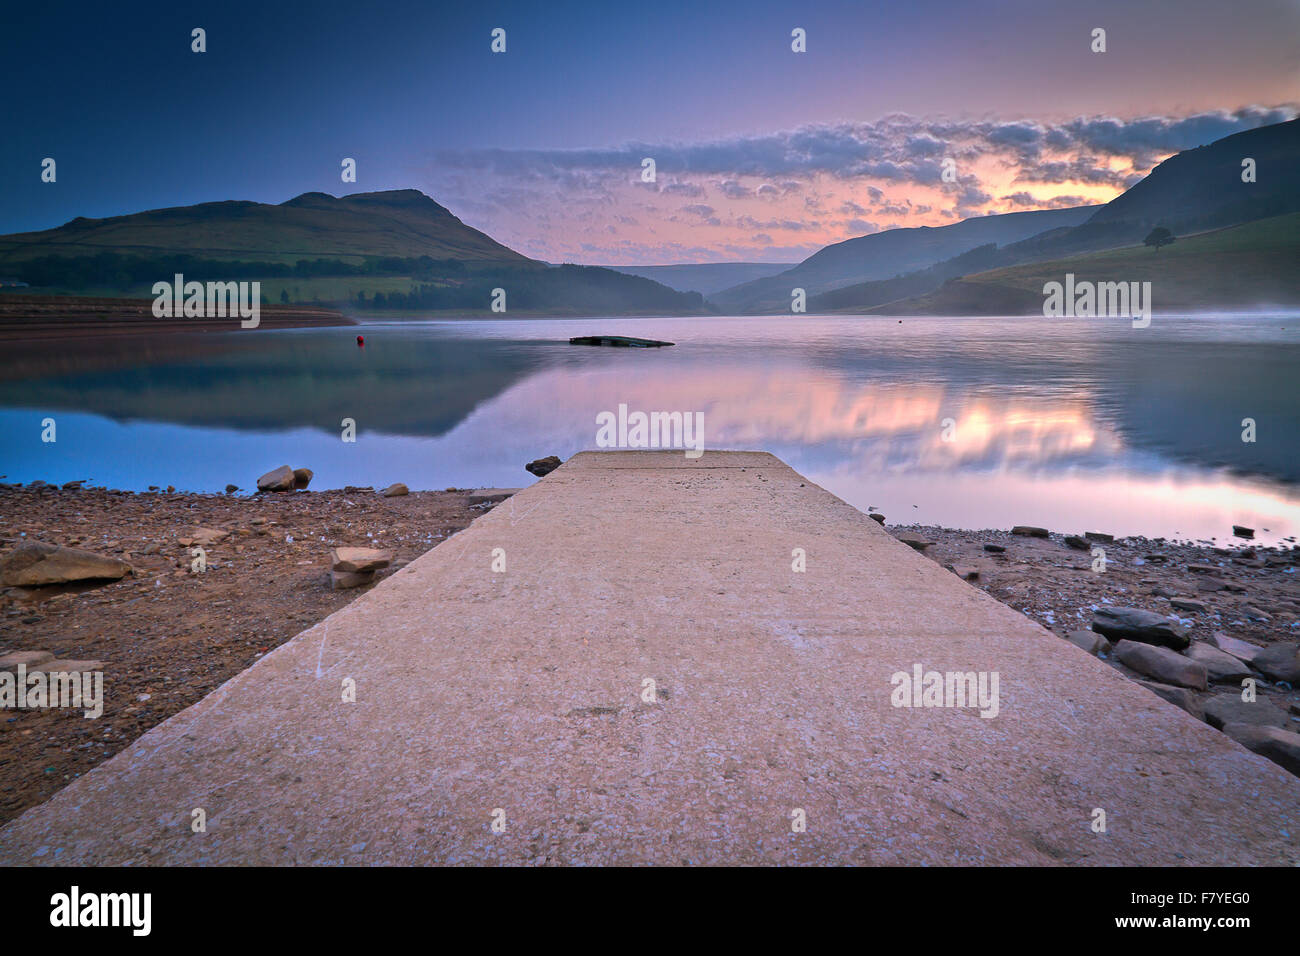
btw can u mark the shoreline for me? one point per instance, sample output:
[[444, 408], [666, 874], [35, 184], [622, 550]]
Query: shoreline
[[167, 637]]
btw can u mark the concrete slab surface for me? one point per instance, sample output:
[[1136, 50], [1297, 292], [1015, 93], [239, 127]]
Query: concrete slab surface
[[516, 697]]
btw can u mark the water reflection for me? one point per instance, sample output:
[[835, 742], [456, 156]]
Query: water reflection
[[1056, 423]]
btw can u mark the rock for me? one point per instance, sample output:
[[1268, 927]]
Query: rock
[[1242, 650], [1279, 662], [360, 559], [1229, 708], [1164, 665], [231, 489], [281, 479], [1253, 613], [29, 659], [1188, 604], [994, 548], [1203, 569], [877, 517], [1099, 536], [1279, 746], [483, 495], [1090, 641], [1243, 532], [914, 541], [1135, 624], [965, 571], [543, 466], [302, 477], [1029, 531], [35, 563], [342, 580], [395, 490], [68, 666], [1178, 696], [1220, 665], [1077, 543], [207, 536]]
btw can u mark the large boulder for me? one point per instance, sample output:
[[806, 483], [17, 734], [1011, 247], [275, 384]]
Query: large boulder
[[1135, 624], [1242, 650], [1279, 662], [395, 490], [1279, 746], [281, 479], [35, 563], [302, 478], [1224, 709], [543, 466], [1164, 665]]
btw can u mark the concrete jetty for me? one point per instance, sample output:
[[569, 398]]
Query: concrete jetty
[[623, 663]]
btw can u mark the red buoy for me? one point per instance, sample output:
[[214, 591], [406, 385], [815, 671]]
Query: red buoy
[[361, 341]]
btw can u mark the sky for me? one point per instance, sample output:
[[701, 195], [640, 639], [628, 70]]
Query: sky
[[760, 153]]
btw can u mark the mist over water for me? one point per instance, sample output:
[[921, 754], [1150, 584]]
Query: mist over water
[[1072, 424]]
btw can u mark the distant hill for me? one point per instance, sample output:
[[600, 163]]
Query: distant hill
[[404, 223], [395, 251], [1202, 188], [705, 277], [891, 253], [1252, 265]]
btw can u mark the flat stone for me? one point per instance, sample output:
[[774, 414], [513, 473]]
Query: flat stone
[[482, 495], [914, 541], [1188, 604], [1099, 536], [35, 563], [1243, 532], [1180, 697], [1166, 666], [1077, 543], [342, 580], [395, 490], [478, 690], [1203, 568], [1029, 531], [29, 659], [994, 549], [1280, 746], [1279, 662], [206, 536], [1242, 650], [360, 559], [1220, 665], [1136, 624], [1231, 709], [1090, 641], [279, 479]]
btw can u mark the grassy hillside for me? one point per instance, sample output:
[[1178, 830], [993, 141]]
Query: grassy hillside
[[392, 252], [403, 223], [1251, 265], [891, 253]]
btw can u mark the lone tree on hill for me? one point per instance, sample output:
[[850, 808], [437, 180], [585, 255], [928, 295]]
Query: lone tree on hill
[[1159, 236]]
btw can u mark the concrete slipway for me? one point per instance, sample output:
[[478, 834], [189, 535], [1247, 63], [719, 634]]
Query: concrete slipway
[[521, 692]]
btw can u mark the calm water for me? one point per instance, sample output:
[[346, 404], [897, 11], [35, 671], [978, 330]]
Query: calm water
[[1072, 424]]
